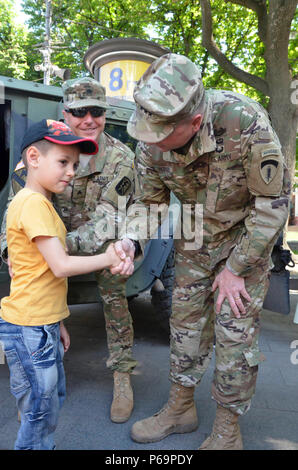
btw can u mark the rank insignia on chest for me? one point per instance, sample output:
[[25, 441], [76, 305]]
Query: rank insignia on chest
[[123, 186]]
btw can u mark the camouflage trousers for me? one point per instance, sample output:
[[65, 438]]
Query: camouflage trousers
[[118, 321], [196, 329]]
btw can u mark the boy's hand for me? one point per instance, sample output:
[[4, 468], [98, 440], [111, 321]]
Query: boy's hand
[[64, 336], [113, 258], [118, 265], [125, 250]]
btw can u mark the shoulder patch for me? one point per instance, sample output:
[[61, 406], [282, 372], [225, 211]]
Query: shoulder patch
[[123, 186], [266, 171]]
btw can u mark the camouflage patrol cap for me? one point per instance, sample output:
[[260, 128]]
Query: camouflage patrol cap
[[169, 91], [82, 92]]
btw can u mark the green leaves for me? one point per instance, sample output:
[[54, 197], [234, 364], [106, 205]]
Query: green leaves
[[13, 60], [176, 24], [79, 24]]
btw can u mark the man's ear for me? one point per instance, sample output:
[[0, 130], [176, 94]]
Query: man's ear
[[196, 122], [32, 156]]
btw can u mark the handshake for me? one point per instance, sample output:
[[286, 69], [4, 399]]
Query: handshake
[[121, 255]]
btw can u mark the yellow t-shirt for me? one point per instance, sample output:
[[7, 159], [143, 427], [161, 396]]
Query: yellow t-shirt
[[36, 297]]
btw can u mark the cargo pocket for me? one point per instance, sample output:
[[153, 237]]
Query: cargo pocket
[[18, 378], [253, 357], [226, 188], [95, 188]]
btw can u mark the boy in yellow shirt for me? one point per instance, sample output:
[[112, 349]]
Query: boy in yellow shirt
[[31, 317]]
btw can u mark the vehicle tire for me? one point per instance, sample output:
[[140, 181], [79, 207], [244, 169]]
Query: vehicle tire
[[162, 299]]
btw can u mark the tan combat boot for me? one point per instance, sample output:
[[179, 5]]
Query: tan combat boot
[[225, 434], [122, 404], [179, 415]]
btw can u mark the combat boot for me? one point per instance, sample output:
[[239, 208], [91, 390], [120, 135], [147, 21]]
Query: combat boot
[[179, 415], [225, 434], [122, 404]]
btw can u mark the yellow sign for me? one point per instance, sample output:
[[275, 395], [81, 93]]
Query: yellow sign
[[119, 77]]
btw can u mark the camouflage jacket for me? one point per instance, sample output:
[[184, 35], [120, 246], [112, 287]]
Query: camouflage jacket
[[235, 170], [88, 207]]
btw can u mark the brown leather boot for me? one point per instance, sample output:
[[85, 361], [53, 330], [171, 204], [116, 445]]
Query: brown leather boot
[[179, 415], [122, 404], [225, 434]]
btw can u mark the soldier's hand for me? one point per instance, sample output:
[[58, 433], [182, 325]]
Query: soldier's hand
[[124, 249], [230, 287]]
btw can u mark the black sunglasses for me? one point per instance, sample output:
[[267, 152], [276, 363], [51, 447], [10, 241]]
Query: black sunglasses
[[95, 111]]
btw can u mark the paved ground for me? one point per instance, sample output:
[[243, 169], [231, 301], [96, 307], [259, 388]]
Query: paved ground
[[272, 422]]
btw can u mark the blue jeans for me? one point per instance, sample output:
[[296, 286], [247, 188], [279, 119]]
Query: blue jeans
[[35, 358]]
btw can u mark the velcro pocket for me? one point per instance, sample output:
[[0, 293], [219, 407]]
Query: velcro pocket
[[253, 357]]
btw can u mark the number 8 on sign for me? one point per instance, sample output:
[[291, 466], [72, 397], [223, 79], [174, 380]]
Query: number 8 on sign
[[116, 83]]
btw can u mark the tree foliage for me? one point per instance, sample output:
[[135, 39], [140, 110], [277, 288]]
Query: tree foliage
[[179, 24], [249, 46], [176, 24], [13, 59], [79, 24]]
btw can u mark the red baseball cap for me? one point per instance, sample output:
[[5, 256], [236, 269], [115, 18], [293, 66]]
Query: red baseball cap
[[58, 133]]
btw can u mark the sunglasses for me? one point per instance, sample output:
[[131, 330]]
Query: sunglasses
[[95, 112]]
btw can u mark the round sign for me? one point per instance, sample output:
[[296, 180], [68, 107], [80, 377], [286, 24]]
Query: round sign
[[119, 77]]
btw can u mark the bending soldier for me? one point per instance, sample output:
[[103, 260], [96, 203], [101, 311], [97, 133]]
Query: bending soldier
[[215, 149]]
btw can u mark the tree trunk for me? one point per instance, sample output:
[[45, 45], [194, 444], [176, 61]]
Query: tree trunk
[[274, 28], [284, 121], [282, 109]]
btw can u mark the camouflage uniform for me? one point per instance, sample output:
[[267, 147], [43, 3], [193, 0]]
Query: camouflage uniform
[[234, 167], [88, 207]]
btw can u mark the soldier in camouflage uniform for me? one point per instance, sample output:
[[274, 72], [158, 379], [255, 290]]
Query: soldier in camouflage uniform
[[217, 149], [89, 209]]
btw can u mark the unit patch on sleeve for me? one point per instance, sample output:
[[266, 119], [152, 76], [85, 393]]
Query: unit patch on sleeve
[[123, 186], [266, 171]]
